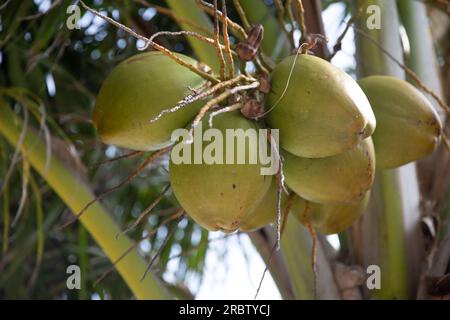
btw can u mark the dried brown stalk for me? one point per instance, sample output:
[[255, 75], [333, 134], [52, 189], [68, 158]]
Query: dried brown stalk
[[237, 29], [226, 39], [219, 51], [301, 19]]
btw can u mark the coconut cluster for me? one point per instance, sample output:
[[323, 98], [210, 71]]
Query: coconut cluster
[[334, 132]]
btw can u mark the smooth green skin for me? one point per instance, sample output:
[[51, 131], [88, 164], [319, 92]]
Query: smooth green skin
[[408, 126], [329, 218], [220, 196], [323, 111], [135, 92], [266, 212], [275, 42], [344, 178]]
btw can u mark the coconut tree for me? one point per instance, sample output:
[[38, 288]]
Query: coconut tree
[[87, 182]]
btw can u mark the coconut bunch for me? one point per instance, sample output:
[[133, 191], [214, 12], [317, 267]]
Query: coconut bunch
[[334, 133]]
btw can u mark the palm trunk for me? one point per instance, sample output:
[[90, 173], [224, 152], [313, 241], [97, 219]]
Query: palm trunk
[[387, 235], [296, 247]]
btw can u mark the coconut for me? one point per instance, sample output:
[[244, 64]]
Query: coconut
[[135, 92], [266, 212], [219, 194], [408, 126], [329, 218], [343, 178], [320, 110]]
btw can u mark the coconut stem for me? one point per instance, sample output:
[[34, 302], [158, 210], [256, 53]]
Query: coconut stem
[[124, 156], [338, 45], [220, 98], [161, 248], [219, 51], [290, 14], [290, 202], [261, 66], [281, 12], [301, 19], [203, 95], [231, 108], [226, 39], [193, 34], [313, 233]]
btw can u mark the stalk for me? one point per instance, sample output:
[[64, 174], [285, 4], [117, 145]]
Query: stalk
[[384, 229], [275, 43], [188, 9], [75, 193]]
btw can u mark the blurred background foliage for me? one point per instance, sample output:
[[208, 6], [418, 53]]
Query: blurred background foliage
[[56, 72]]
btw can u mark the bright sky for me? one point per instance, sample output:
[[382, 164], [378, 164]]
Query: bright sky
[[235, 276]]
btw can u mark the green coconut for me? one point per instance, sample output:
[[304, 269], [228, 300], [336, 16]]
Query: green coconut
[[343, 178], [329, 218], [219, 195], [266, 212], [320, 110], [408, 126], [135, 92]]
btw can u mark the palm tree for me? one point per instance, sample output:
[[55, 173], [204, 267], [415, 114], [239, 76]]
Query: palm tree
[[68, 199]]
